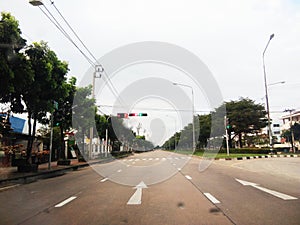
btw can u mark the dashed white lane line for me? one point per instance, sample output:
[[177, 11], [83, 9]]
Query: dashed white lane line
[[188, 177], [65, 202], [211, 198], [104, 179], [119, 171]]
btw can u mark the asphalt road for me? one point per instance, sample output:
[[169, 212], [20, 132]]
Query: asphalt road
[[161, 188]]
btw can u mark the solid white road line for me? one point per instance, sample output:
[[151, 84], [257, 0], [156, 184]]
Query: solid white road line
[[211, 198], [65, 202]]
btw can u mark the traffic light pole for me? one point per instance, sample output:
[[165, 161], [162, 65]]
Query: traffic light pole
[[226, 133], [51, 140]]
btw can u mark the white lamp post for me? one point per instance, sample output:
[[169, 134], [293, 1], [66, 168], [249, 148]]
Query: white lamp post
[[184, 85], [266, 90]]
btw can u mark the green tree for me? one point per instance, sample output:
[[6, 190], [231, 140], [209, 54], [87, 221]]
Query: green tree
[[101, 124], [296, 130], [63, 114], [205, 130], [245, 117], [83, 115], [15, 69], [48, 85]]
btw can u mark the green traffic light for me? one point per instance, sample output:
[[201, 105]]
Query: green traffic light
[[142, 114]]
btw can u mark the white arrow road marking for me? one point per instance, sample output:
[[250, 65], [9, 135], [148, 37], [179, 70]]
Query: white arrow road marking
[[274, 193], [136, 198], [65, 202], [211, 198]]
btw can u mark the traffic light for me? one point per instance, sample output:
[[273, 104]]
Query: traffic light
[[228, 126], [122, 115], [138, 114]]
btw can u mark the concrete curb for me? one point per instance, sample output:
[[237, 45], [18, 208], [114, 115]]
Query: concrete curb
[[43, 174], [258, 157]]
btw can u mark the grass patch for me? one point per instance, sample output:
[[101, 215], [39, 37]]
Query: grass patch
[[225, 156]]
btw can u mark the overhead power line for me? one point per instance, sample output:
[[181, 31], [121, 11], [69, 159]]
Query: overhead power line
[[62, 30], [108, 80], [58, 25], [64, 19]]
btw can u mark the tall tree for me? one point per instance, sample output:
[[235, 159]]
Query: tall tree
[[296, 131], [63, 113], [245, 117], [83, 115], [15, 69], [48, 85]]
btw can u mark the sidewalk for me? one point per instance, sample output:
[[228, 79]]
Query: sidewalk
[[11, 174]]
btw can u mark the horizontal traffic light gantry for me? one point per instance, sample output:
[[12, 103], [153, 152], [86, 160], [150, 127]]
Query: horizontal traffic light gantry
[[138, 114], [126, 115]]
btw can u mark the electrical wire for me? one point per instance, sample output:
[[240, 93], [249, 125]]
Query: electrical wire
[[60, 28], [64, 19], [108, 80]]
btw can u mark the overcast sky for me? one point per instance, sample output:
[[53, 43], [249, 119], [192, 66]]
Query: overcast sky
[[228, 36]]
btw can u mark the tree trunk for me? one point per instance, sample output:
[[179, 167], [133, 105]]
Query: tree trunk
[[29, 142], [230, 139], [62, 142], [240, 140]]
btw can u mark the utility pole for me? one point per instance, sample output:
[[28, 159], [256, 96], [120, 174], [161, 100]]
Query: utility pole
[[55, 104], [291, 130], [97, 74]]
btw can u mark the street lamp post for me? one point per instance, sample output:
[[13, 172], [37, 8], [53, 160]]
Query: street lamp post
[[184, 85], [266, 90], [106, 137]]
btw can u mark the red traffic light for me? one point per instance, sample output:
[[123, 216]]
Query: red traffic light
[[122, 115]]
